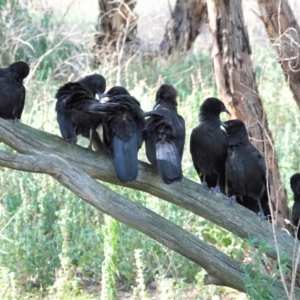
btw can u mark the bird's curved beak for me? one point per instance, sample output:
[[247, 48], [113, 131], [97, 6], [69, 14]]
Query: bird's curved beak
[[227, 111], [156, 104], [103, 98], [99, 96], [223, 124]]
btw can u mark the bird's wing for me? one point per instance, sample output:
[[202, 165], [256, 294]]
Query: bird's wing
[[65, 123], [235, 169], [180, 128], [260, 161], [168, 162], [21, 105]]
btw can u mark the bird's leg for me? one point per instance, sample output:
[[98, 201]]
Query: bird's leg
[[217, 189], [15, 119], [261, 212], [72, 140], [89, 147], [204, 183]]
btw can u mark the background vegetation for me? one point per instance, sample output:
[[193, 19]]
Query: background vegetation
[[53, 244]]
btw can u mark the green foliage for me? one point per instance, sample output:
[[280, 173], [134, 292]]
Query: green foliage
[[109, 266], [139, 291], [257, 283], [38, 38]]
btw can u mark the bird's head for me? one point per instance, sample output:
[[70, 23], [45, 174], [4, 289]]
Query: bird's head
[[234, 127], [19, 70], [213, 106], [166, 95], [96, 83], [114, 91], [295, 183]]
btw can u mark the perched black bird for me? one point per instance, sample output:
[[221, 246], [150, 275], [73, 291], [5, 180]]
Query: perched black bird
[[164, 135], [245, 169], [12, 95], [73, 102], [121, 130], [295, 186], [208, 145]]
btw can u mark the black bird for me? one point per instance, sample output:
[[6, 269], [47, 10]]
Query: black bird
[[245, 169], [164, 135], [208, 145], [295, 186], [73, 102], [12, 95], [121, 130]]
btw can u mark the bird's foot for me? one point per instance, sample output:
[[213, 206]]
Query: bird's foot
[[89, 147], [71, 142], [261, 216], [216, 190], [205, 186], [231, 200], [16, 120]]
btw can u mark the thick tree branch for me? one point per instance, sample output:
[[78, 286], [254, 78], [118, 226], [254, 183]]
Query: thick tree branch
[[130, 213], [49, 154], [223, 269], [186, 194]]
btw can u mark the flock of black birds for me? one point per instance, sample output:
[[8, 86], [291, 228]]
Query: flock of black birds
[[225, 160]]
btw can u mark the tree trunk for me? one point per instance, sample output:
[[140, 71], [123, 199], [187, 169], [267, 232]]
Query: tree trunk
[[236, 83], [284, 33], [184, 27], [116, 29], [76, 168]]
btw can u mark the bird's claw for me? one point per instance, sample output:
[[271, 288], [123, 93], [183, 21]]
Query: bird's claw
[[231, 200], [216, 190], [205, 186], [261, 216]]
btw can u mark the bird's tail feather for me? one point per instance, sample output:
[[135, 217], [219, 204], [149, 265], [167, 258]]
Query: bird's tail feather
[[125, 158], [168, 162]]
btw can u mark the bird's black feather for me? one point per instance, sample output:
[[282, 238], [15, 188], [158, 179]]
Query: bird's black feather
[[12, 95], [165, 135], [122, 131], [96, 83], [295, 186], [208, 144], [245, 169], [74, 99]]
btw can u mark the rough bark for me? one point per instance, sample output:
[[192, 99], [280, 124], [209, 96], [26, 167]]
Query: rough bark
[[182, 30], [116, 29], [284, 32], [236, 83], [75, 166]]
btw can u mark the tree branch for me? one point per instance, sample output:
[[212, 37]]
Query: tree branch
[[74, 167], [129, 213], [186, 194]]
